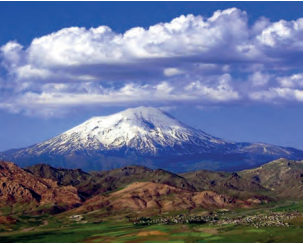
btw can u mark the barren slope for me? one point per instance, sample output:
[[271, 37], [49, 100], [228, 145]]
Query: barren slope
[[29, 192], [158, 198]]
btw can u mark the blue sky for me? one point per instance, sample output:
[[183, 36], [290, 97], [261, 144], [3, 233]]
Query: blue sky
[[233, 69]]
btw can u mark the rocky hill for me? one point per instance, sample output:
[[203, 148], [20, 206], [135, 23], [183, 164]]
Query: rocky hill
[[94, 183], [45, 189], [21, 191], [272, 180], [225, 183], [284, 178], [155, 198]]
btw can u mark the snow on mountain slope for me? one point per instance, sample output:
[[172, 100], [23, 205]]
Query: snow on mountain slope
[[263, 148], [146, 130], [145, 136]]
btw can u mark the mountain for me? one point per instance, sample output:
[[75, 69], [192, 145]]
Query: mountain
[[62, 176], [145, 136], [146, 200], [137, 188], [23, 192], [156, 198], [95, 183], [231, 184], [266, 183], [283, 177], [278, 179]]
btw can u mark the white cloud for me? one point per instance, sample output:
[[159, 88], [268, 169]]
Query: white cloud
[[172, 71], [202, 61], [11, 54], [295, 80], [61, 97], [278, 95], [56, 99], [259, 79], [283, 33], [219, 91], [30, 72], [225, 35]]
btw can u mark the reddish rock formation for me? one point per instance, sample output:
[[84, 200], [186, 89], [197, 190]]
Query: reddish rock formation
[[18, 186], [159, 197]]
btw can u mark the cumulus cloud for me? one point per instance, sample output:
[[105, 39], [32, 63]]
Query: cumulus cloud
[[172, 71], [62, 96], [278, 95], [286, 34], [192, 59], [295, 80], [259, 79]]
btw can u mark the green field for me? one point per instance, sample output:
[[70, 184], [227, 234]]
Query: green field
[[53, 229], [92, 228], [126, 232]]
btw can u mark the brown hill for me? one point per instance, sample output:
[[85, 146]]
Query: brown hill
[[154, 198], [283, 178], [272, 180], [140, 189], [95, 183], [23, 191], [63, 176], [231, 184]]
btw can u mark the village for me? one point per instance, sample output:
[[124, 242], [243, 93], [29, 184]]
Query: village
[[220, 219]]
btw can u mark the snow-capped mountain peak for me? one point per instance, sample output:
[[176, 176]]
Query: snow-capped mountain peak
[[144, 129], [139, 120], [146, 136]]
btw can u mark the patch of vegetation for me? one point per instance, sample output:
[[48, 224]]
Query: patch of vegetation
[[57, 229], [291, 206]]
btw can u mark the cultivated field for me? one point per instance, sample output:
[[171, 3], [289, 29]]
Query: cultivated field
[[92, 228]]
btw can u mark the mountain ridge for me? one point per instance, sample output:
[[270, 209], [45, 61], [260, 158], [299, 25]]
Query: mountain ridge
[[242, 184], [26, 191], [145, 136]]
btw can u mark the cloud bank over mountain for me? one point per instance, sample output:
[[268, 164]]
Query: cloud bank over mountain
[[192, 59]]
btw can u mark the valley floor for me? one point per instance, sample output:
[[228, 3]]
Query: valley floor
[[270, 223]]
